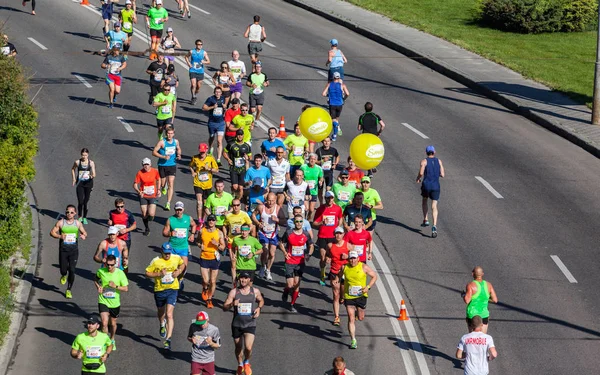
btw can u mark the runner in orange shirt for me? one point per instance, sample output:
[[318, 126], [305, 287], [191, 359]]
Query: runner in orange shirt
[[147, 185]]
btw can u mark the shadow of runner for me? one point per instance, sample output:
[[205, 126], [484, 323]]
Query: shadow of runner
[[311, 330], [65, 337], [63, 306], [387, 220], [426, 350]]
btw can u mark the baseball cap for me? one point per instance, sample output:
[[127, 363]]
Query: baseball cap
[[93, 319], [201, 318], [113, 230], [211, 217], [127, 2], [353, 254], [169, 29], [244, 274], [336, 75], [429, 149], [365, 178], [339, 230], [258, 63], [179, 205], [158, 2], [239, 132], [117, 24], [333, 42], [345, 173], [167, 248], [146, 161], [257, 181], [329, 194], [245, 227], [202, 147]]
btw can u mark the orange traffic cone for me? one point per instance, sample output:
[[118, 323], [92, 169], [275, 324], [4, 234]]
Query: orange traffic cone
[[85, 2], [282, 133], [403, 314]]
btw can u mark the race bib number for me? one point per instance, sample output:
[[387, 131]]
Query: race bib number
[[5, 51], [180, 233], [257, 91], [158, 77], [114, 67], [329, 220], [344, 196], [170, 150], [298, 151], [360, 249], [84, 175], [295, 202], [197, 65], [157, 21], [166, 110], [167, 279], [353, 183], [93, 352], [327, 165], [236, 229], [70, 239], [127, 25], [297, 251], [220, 210], [278, 181], [149, 190], [244, 309], [245, 250], [218, 111], [239, 162], [120, 226], [355, 291], [203, 176], [109, 293], [269, 228], [311, 184]]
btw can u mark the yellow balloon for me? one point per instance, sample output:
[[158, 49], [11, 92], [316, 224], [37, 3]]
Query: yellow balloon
[[315, 124], [366, 150]]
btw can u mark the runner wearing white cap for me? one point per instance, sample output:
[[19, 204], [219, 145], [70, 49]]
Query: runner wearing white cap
[[147, 184]]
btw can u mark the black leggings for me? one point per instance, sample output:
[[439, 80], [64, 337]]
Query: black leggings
[[154, 90], [32, 4], [83, 197], [67, 260]]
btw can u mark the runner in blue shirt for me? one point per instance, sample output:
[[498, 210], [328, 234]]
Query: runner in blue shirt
[[259, 171]]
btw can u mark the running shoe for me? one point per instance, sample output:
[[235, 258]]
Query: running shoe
[[84, 221], [261, 273], [333, 138], [353, 344], [293, 309], [168, 206], [209, 304], [284, 296], [68, 294], [219, 162], [189, 14], [167, 345], [269, 277], [110, 106], [194, 100], [115, 99], [146, 231], [63, 280], [240, 370], [247, 369], [340, 130], [322, 282], [80, 220], [114, 345], [163, 191], [336, 321], [425, 223], [163, 329], [434, 231], [181, 11], [204, 294]]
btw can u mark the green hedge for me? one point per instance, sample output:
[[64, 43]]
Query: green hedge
[[539, 16], [18, 146]]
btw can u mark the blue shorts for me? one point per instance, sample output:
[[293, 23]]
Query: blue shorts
[[165, 297], [372, 227], [216, 128], [211, 264], [107, 13], [267, 241], [181, 252], [432, 194]]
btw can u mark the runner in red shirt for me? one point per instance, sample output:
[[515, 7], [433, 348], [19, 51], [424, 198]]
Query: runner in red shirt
[[360, 240], [327, 218], [354, 173], [147, 185], [229, 115], [123, 220], [337, 254], [294, 245]]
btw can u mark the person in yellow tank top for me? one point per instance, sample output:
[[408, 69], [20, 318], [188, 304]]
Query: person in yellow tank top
[[232, 226], [211, 243], [356, 291], [202, 168]]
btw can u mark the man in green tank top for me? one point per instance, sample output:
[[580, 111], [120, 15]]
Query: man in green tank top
[[180, 229], [478, 293]]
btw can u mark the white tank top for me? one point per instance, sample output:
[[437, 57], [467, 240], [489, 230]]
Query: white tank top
[[269, 228], [255, 33]]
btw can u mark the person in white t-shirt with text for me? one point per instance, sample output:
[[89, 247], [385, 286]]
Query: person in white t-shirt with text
[[477, 348]]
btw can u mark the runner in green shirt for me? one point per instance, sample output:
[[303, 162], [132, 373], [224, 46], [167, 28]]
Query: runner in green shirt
[[344, 191], [313, 175], [163, 101], [372, 200], [110, 282], [218, 203], [245, 122], [297, 146], [127, 18], [155, 20], [92, 347], [245, 249]]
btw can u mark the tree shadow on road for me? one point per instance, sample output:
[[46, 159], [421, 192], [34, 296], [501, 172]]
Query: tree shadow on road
[[131, 143]]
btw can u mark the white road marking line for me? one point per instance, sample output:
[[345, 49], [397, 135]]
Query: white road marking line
[[125, 124], [489, 187], [195, 7], [269, 44], [85, 83], [37, 43], [324, 74], [410, 328], [415, 131], [564, 269]]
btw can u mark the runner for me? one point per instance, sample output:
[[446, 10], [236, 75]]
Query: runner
[[359, 239], [335, 60], [168, 43], [167, 151], [269, 146], [476, 348], [202, 168], [328, 160], [180, 229], [357, 208], [123, 220], [297, 146], [165, 271], [32, 5], [355, 174], [256, 35], [195, 60], [339, 367], [297, 251], [257, 81], [83, 173], [147, 185], [244, 249], [313, 174], [232, 226], [215, 106], [165, 114], [371, 123], [372, 200], [218, 203], [327, 218], [115, 38], [156, 70], [266, 219], [356, 292], [92, 347], [212, 244], [280, 173], [205, 339], [230, 114], [477, 295], [244, 121], [7, 48], [258, 171], [223, 78], [247, 302], [337, 93], [114, 63], [171, 80], [155, 20], [305, 225], [106, 7], [297, 193], [127, 17], [110, 283], [430, 171], [256, 195], [337, 255], [114, 246], [343, 191], [236, 154], [238, 68]]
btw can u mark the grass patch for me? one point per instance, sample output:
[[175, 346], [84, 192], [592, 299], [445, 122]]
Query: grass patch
[[6, 302], [562, 61]]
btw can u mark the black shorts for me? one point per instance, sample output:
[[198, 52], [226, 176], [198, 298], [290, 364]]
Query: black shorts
[[360, 302], [147, 201], [226, 93], [237, 177], [328, 177], [294, 270], [167, 171], [335, 111], [323, 242], [165, 122], [314, 198], [431, 194], [156, 33], [372, 227], [112, 312], [256, 100], [339, 275], [237, 332], [205, 192], [484, 320], [196, 76]]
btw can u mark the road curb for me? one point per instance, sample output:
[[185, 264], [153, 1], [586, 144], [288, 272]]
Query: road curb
[[23, 291], [456, 75]]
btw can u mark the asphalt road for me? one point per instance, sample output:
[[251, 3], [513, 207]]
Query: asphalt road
[[543, 324]]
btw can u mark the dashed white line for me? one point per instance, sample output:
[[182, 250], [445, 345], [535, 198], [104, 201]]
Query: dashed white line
[[564, 269], [489, 187], [82, 80], [269, 44], [125, 124], [199, 9], [414, 130], [324, 74], [37, 43]]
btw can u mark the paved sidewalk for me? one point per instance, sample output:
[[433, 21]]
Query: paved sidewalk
[[550, 109]]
